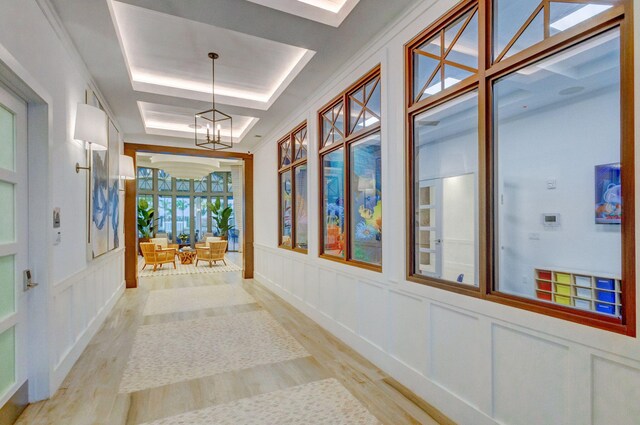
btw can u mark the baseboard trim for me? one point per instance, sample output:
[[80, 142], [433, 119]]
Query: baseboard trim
[[13, 408]]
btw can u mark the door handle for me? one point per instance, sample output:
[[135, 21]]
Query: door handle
[[27, 282]]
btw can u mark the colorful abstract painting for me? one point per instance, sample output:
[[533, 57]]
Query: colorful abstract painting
[[114, 194], [608, 190]]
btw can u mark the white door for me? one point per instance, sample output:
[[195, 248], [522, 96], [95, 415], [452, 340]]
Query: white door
[[430, 228], [13, 243]]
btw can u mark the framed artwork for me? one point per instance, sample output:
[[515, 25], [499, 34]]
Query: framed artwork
[[608, 194], [113, 204]]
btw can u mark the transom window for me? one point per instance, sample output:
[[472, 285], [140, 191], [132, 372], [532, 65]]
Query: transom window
[[521, 165]]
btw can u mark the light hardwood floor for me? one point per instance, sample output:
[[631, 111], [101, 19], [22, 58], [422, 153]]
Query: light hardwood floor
[[89, 395]]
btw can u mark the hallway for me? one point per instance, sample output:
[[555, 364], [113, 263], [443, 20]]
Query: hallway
[[157, 361]]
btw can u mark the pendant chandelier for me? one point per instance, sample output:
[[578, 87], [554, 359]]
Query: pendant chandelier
[[213, 128]]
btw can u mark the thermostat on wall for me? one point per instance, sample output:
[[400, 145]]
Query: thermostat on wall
[[551, 219]]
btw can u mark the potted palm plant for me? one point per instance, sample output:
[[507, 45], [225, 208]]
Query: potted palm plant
[[221, 217], [145, 221]]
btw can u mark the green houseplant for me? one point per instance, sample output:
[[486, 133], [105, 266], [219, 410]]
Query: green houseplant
[[221, 217], [145, 220]]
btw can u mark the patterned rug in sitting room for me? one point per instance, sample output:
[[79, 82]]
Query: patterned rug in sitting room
[[203, 267]]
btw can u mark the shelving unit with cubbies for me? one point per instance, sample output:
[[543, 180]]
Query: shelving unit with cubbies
[[600, 293], [427, 230]]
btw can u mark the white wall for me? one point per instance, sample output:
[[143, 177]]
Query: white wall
[[75, 294], [479, 362]]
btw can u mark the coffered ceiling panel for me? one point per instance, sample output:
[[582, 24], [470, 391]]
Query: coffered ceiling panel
[[167, 55], [329, 12], [173, 121]]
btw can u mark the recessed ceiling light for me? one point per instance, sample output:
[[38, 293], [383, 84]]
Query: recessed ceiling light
[[195, 126], [570, 90]]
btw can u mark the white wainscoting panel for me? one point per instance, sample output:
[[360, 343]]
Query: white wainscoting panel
[[453, 356], [530, 379], [616, 392], [372, 313]]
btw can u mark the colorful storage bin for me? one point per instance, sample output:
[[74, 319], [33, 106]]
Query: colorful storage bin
[[584, 281], [606, 308], [563, 289], [583, 304], [584, 292], [563, 278], [544, 295], [559, 299]]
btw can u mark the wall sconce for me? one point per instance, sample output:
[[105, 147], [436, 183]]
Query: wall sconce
[[127, 172], [91, 128]]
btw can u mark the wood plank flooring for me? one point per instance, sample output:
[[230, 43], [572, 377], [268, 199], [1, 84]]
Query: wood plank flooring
[[89, 395]]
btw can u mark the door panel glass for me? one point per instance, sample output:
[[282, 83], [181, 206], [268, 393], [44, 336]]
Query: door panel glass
[[8, 356], [200, 215], [183, 219], [7, 285], [165, 216], [7, 213], [7, 139], [366, 200], [446, 167]]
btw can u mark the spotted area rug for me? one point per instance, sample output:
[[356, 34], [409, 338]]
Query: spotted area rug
[[324, 402], [168, 270], [163, 301], [173, 352]]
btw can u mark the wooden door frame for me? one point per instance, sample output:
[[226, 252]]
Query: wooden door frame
[[130, 221]]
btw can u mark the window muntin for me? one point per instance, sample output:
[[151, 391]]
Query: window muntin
[[145, 178], [292, 182], [546, 54], [520, 24], [447, 58], [333, 124], [550, 144], [217, 182], [164, 181], [351, 181], [445, 191], [182, 185]]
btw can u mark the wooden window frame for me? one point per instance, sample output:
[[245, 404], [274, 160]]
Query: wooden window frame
[[618, 16], [292, 166], [345, 143]]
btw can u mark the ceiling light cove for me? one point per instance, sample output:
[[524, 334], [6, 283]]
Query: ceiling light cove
[[328, 12], [164, 55], [164, 120]]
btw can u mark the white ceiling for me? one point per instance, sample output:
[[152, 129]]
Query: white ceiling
[[149, 57], [329, 12]]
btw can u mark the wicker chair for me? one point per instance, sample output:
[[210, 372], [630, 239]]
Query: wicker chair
[[205, 243], [154, 256], [214, 253], [163, 243]]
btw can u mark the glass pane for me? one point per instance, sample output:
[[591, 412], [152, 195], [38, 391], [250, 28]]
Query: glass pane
[[183, 219], [7, 139], [201, 185], [563, 16], [8, 356], [145, 178], [338, 112], [373, 105], [301, 206], [285, 153], [327, 135], [333, 204], [182, 185], [200, 216], [435, 86], [453, 75], [7, 285], [445, 182], [230, 205], [356, 117], [285, 194], [7, 212], [217, 182], [465, 50], [229, 183], [149, 200], [301, 144], [508, 17], [423, 69], [165, 216], [532, 35], [558, 188], [432, 46], [366, 200], [452, 31], [164, 181]]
